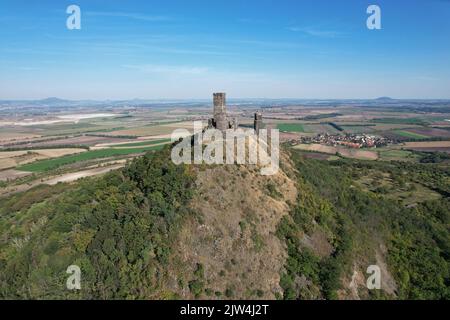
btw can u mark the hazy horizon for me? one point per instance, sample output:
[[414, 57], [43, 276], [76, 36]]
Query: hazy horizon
[[229, 99]]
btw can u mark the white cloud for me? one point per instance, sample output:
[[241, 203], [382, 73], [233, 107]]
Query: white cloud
[[168, 70], [315, 32], [129, 15]]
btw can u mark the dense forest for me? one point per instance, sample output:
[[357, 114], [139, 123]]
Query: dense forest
[[357, 221], [117, 228]]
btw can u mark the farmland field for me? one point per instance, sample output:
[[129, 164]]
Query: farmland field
[[291, 127], [139, 129], [46, 165], [418, 121], [396, 155], [67, 129], [431, 146], [318, 155], [11, 159], [12, 136], [320, 128], [152, 130], [345, 152], [409, 134], [83, 140], [59, 141], [431, 132], [142, 144], [358, 129]]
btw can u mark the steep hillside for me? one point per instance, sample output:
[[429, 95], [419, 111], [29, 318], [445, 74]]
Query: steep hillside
[[232, 238], [155, 230], [409, 243]]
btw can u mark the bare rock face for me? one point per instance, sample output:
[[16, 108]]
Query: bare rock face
[[355, 287], [229, 247]]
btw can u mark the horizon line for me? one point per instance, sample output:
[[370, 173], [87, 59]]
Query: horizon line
[[207, 99]]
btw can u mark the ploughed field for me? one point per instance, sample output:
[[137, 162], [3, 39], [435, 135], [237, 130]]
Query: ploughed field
[[64, 148]]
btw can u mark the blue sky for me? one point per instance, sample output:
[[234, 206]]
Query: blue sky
[[191, 48]]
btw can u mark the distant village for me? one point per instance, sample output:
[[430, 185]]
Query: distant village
[[355, 141]]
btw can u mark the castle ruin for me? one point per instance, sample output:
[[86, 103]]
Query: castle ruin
[[257, 123], [220, 119]]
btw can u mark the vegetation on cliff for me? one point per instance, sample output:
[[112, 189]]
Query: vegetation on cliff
[[358, 222], [117, 228]]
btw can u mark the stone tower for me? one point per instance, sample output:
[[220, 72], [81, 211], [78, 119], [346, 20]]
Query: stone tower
[[220, 120], [257, 122], [220, 112]]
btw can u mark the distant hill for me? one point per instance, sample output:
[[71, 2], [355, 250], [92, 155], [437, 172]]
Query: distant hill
[[52, 100]]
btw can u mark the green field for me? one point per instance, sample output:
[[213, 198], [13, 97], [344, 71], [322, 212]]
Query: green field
[[408, 134], [143, 143], [291, 127], [417, 121], [397, 155], [49, 164], [320, 128], [358, 128], [72, 128]]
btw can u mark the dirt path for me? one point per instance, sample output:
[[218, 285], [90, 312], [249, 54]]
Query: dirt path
[[68, 177]]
